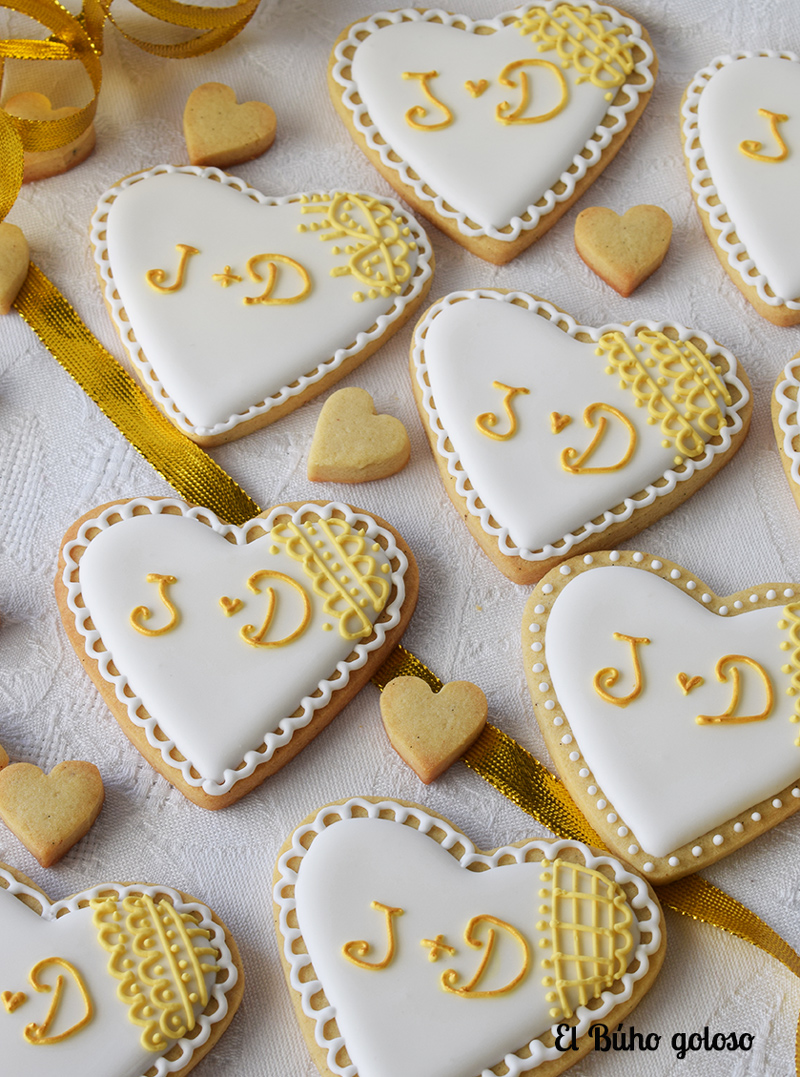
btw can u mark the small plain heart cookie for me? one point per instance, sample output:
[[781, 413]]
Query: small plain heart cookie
[[14, 262], [741, 133], [236, 308], [117, 980], [430, 730], [493, 128], [41, 164], [554, 438], [220, 132], [180, 618], [388, 916], [626, 250], [354, 444], [670, 713], [49, 813]]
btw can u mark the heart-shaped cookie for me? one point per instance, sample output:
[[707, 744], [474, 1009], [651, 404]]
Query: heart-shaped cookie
[[14, 261], [41, 164], [671, 780], [626, 250], [220, 132], [656, 409], [741, 134], [493, 128], [236, 308], [50, 812], [116, 981], [353, 444], [217, 697], [382, 907], [431, 730]]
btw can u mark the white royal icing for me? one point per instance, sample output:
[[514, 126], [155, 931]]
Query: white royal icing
[[753, 205], [110, 1044], [399, 1020], [215, 697], [667, 777], [492, 179], [786, 395], [518, 488], [211, 361]]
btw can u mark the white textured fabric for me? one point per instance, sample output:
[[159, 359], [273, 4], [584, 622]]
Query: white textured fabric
[[60, 457]]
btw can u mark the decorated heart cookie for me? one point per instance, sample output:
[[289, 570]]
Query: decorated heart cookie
[[236, 308], [553, 437], [353, 444], [624, 251], [671, 714], [492, 129], [49, 813], [409, 951], [430, 730], [117, 981], [220, 132], [786, 422], [741, 134], [223, 650]]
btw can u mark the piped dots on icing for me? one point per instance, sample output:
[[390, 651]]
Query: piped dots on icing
[[738, 828], [633, 850], [549, 705], [538, 668], [583, 773], [697, 851], [674, 574], [638, 558], [656, 564], [723, 610], [673, 861], [622, 831], [558, 720], [565, 570], [718, 839], [601, 804], [592, 790], [547, 589], [567, 738], [536, 646], [647, 866], [534, 627], [588, 559], [544, 687], [796, 792], [756, 816], [777, 803], [614, 556], [705, 597], [738, 604], [538, 609], [754, 598], [772, 594], [611, 817], [788, 593], [574, 756]]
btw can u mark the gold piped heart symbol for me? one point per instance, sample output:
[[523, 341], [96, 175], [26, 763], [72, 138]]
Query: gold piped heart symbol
[[687, 683], [12, 1000], [559, 421], [230, 605], [476, 88]]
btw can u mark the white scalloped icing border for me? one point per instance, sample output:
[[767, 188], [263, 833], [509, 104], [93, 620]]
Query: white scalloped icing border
[[307, 986], [51, 910], [571, 175], [631, 504], [703, 185], [310, 704], [788, 418], [422, 273]]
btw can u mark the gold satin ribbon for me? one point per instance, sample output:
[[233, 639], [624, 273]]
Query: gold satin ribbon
[[495, 756]]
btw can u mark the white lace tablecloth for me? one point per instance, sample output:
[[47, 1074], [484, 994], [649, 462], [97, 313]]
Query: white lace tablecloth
[[60, 457]]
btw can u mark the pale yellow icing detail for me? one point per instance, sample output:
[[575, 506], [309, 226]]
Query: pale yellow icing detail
[[437, 947], [158, 955], [230, 605], [606, 678], [752, 148], [675, 380], [598, 51], [475, 89], [450, 977], [12, 1000], [144, 613], [155, 277], [597, 943], [349, 546], [273, 260], [378, 252], [419, 112], [256, 639], [559, 421], [358, 949], [792, 615], [37, 1034], [226, 277], [488, 419], [517, 115], [728, 716], [575, 463]]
